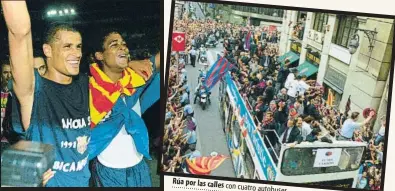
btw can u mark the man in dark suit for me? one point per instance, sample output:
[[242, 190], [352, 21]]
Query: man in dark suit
[[311, 110], [289, 133], [266, 60]]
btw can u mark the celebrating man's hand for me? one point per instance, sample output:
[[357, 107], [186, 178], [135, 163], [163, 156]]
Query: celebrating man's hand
[[142, 68], [47, 176]]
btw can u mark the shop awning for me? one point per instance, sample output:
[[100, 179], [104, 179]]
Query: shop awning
[[293, 57], [307, 69]]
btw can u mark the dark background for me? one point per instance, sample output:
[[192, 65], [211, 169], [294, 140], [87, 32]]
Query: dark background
[[139, 19]]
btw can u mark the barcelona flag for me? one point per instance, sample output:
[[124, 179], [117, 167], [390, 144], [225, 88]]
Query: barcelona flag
[[348, 104], [204, 165], [248, 40], [216, 72]]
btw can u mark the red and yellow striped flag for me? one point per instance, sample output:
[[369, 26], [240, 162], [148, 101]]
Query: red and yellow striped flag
[[204, 165], [104, 93], [331, 98]]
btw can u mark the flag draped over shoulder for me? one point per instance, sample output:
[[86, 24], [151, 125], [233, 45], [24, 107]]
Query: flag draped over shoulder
[[204, 165], [247, 41], [216, 72], [104, 93]]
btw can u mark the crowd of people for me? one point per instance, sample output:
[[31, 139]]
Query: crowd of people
[[280, 100]]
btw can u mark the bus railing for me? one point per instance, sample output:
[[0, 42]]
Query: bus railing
[[274, 150], [248, 104]]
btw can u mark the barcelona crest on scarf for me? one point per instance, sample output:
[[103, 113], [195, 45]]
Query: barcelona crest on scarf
[[104, 93]]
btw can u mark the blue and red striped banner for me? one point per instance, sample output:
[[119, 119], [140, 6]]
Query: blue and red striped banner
[[216, 72], [247, 41]]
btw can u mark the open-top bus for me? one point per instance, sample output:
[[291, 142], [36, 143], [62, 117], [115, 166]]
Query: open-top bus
[[333, 164]]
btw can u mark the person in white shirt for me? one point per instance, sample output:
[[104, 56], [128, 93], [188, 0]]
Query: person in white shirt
[[292, 86], [302, 85], [305, 127], [350, 125], [192, 54]]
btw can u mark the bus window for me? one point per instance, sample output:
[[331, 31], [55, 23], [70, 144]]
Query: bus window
[[249, 162], [236, 130], [307, 161]]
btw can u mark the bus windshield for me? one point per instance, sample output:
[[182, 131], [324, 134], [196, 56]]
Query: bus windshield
[[307, 161]]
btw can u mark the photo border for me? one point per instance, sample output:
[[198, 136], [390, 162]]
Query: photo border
[[301, 185]]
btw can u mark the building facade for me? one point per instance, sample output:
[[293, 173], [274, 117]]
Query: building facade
[[320, 41]]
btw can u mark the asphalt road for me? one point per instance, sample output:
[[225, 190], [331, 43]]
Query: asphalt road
[[211, 137]]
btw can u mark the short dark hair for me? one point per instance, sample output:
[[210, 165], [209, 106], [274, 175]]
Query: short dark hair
[[4, 63], [308, 119], [354, 115], [54, 28], [96, 38]]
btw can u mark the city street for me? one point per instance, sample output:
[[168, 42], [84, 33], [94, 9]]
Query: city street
[[326, 88], [211, 137]]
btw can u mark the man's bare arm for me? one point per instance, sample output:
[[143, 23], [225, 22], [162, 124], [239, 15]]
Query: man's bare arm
[[21, 52], [157, 61]]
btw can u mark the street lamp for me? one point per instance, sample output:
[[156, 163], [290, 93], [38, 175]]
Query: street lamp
[[354, 42]]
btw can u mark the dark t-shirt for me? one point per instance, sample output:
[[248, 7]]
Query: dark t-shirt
[[60, 117]]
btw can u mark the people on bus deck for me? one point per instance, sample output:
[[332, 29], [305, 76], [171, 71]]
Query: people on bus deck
[[350, 125], [311, 109], [259, 108], [282, 75], [268, 95], [292, 86], [282, 95], [289, 133], [315, 132], [269, 124], [297, 106], [304, 128], [281, 115], [272, 107]]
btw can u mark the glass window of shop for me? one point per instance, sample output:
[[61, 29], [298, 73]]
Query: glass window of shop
[[259, 10], [320, 20], [344, 29]]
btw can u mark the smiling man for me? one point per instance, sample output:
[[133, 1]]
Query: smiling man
[[118, 97], [53, 107]]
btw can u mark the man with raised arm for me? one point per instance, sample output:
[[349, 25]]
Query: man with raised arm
[[54, 107]]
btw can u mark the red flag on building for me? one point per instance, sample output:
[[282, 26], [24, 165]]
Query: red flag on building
[[178, 41], [204, 165]]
